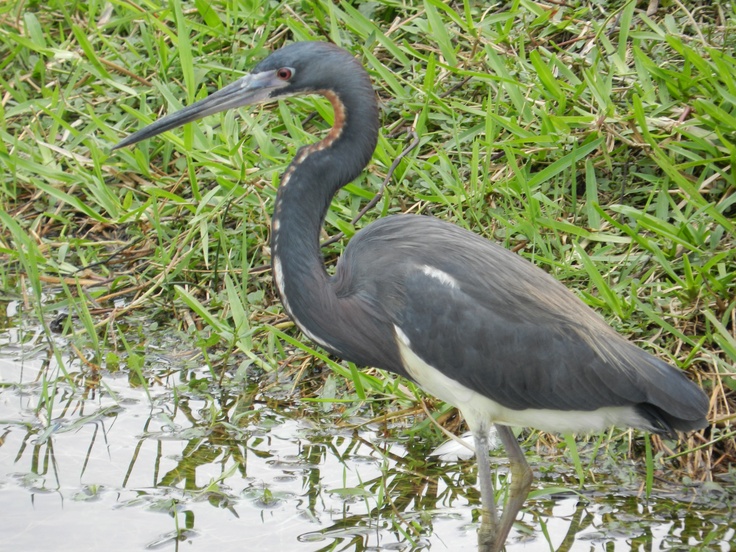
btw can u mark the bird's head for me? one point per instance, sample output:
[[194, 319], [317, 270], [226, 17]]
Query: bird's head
[[299, 68]]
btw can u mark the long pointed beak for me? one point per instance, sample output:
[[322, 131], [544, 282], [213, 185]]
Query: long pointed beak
[[251, 89]]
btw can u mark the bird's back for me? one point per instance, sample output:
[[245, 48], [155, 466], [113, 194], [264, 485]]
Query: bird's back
[[496, 324]]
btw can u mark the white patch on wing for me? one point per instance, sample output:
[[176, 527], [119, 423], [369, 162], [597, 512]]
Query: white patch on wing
[[438, 274], [479, 410]]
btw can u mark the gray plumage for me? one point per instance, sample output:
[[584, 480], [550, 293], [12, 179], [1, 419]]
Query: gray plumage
[[510, 331]]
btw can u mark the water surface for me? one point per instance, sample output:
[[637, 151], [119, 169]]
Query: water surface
[[184, 464]]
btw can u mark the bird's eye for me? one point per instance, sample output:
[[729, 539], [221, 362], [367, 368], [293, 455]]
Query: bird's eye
[[284, 73]]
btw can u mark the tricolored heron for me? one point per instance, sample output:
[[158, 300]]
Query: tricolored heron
[[469, 321]]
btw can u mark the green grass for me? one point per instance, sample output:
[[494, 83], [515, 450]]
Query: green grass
[[594, 139]]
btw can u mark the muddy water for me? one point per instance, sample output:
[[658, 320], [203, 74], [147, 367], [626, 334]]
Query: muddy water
[[105, 463]]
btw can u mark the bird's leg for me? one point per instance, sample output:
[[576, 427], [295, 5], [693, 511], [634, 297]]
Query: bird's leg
[[521, 482], [489, 517]]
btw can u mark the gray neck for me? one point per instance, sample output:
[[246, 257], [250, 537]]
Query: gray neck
[[315, 175]]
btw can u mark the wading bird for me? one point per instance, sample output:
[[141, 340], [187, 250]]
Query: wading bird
[[469, 321]]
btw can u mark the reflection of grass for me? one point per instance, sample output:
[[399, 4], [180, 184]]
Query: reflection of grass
[[600, 145]]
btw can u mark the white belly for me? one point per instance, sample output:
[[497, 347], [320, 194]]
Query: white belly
[[478, 409]]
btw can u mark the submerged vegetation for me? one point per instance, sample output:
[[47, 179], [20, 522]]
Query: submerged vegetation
[[596, 139]]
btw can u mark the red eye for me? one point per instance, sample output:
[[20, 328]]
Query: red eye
[[284, 73]]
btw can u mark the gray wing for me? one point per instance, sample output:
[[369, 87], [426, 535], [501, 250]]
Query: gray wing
[[519, 361], [504, 327]]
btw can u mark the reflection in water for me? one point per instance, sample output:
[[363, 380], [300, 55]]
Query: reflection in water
[[165, 464]]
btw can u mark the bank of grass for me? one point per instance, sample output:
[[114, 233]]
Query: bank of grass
[[595, 139]]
